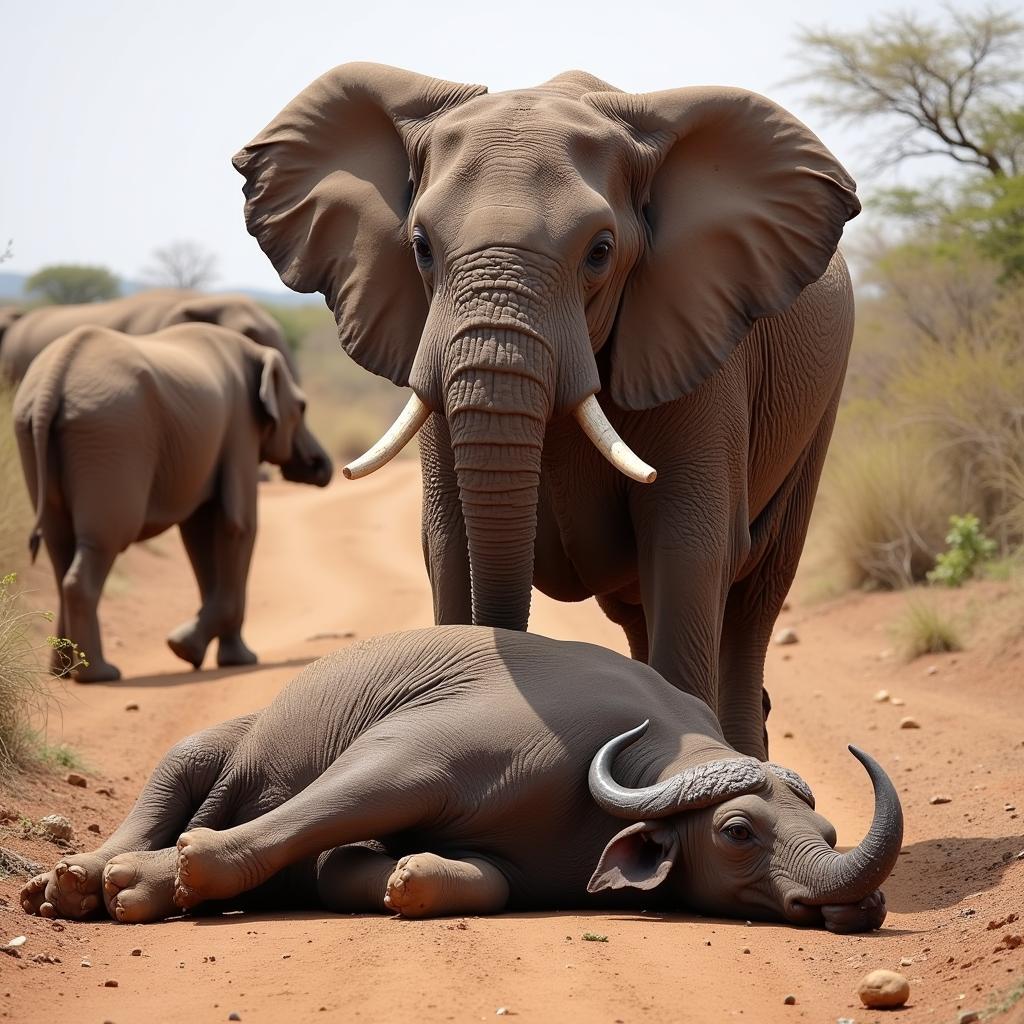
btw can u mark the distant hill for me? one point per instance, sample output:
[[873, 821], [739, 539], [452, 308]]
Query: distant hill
[[12, 285]]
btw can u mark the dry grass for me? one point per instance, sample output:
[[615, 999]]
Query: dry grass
[[15, 512], [925, 629]]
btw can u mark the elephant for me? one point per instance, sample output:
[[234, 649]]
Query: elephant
[[121, 437], [439, 772], [514, 258], [24, 334]]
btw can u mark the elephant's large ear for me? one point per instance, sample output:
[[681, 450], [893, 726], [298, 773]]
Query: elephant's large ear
[[327, 190], [746, 208], [639, 857]]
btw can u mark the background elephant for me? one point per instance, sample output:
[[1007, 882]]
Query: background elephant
[[403, 749], [29, 333], [511, 255], [121, 438]]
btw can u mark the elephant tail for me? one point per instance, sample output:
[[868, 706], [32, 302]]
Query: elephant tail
[[49, 394]]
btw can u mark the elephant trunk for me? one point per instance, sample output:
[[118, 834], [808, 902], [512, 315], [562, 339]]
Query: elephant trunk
[[848, 877], [498, 394]]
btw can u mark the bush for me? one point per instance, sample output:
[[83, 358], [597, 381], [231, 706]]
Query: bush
[[24, 691], [968, 548], [923, 630]]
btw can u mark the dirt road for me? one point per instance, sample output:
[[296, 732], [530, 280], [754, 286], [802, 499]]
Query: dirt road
[[344, 564]]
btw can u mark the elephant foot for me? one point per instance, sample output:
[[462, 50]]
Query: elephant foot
[[188, 643], [70, 890], [139, 887], [212, 866], [97, 671], [425, 885], [233, 651]]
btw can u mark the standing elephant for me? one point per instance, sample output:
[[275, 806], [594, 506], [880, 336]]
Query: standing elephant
[[509, 256], [121, 438], [27, 334], [394, 740]]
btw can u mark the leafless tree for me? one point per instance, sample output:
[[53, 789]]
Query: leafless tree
[[182, 264]]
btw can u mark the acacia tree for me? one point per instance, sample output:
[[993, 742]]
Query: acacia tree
[[954, 89], [182, 264], [71, 283]]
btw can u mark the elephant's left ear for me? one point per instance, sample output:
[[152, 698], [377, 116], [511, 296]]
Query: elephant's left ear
[[746, 208], [639, 857]]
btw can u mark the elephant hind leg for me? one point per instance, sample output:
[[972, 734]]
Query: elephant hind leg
[[630, 616], [80, 596]]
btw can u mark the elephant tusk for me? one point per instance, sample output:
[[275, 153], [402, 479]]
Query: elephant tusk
[[595, 425], [402, 431]]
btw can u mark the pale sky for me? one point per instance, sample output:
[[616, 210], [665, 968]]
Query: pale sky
[[120, 118]]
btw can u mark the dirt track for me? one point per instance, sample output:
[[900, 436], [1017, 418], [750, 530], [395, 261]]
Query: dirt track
[[346, 562]]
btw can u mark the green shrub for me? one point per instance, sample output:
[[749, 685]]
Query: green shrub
[[923, 629], [968, 549]]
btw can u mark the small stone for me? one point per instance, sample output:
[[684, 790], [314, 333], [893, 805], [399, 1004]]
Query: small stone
[[906, 962], [788, 734], [17, 942], [897, 702], [133, 706], [940, 798], [790, 1001], [233, 1016], [785, 637], [931, 670], [87, 963], [94, 827], [56, 826], [909, 723], [746, 949], [883, 988], [136, 951], [1009, 807], [968, 1016], [881, 697], [501, 1011], [9, 814], [76, 779], [110, 983]]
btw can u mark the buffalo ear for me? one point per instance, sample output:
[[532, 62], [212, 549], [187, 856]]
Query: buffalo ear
[[745, 209], [639, 857], [327, 190]]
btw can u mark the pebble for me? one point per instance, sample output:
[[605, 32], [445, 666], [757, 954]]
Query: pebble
[[110, 983], [940, 798], [233, 1016], [906, 962], [17, 941], [746, 949], [788, 734], [501, 1011], [909, 723], [897, 702], [931, 670], [883, 988], [968, 1016], [131, 707], [785, 637], [136, 951], [76, 779], [790, 1000], [881, 696], [87, 963], [56, 826], [94, 827]]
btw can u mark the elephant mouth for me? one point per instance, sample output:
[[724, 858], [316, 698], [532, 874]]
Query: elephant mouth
[[588, 414]]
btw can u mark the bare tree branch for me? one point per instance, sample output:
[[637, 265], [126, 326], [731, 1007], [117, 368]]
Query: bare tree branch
[[182, 264]]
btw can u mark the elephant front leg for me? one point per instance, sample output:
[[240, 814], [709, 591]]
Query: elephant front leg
[[220, 553]]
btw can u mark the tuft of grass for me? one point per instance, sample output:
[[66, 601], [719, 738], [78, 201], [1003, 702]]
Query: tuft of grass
[[923, 629], [594, 937], [58, 755], [25, 696]]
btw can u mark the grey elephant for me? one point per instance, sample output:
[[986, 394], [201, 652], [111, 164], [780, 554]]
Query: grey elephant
[[121, 438], [484, 787], [564, 274], [24, 334]]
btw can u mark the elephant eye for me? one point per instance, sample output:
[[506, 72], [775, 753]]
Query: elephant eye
[[600, 253], [738, 833], [421, 249]]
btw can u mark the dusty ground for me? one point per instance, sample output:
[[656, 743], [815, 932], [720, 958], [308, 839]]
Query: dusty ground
[[342, 564]]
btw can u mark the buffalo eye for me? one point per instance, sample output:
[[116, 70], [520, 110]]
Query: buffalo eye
[[738, 833], [422, 251]]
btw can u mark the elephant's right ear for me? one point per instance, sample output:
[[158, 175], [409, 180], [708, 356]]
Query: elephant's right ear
[[639, 857], [327, 190]]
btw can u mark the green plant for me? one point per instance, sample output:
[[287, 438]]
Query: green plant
[[25, 697], [968, 549], [923, 629], [594, 937]]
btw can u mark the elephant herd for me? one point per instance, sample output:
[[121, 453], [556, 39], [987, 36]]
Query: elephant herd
[[625, 323]]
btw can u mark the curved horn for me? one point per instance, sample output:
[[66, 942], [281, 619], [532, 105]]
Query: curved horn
[[595, 425], [402, 431], [855, 874], [700, 786]]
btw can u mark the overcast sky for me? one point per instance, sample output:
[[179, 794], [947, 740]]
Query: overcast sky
[[120, 118]]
